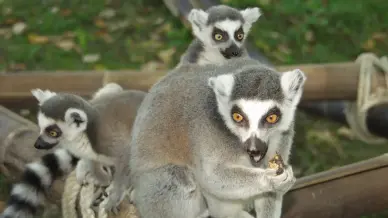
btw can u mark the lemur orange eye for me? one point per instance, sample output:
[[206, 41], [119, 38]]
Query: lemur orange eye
[[272, 118], [237, 117]]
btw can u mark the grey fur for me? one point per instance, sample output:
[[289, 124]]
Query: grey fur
[[219, 13], [262, 83], [180, 145]]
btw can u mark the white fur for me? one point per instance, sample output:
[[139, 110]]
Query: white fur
[[14, 213], [108, 89], [64, 160], [250, 15], [44, 121], [41, 95], [42, 171], [289, 81], [27, 193], [222, 84]]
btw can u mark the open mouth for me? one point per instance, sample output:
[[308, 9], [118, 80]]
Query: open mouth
[[256, 156]]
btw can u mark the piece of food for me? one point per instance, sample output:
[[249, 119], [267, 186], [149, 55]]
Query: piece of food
[[277, 163]]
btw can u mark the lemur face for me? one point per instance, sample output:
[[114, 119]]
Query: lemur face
[[59, 118], [258, 105], [223, 27]]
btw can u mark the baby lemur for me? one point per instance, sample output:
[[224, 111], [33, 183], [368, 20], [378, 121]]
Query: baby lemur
[[98, 130], [194, 135], [220, 33]]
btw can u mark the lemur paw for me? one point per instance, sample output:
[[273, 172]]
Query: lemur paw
[[110, 199], [283, 183]]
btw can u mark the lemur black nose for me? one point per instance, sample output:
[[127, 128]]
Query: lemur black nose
[[235, 53], [41, 144]]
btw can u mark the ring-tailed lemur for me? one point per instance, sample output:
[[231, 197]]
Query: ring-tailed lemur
[[98, 130], [193, 134], [220, 34]]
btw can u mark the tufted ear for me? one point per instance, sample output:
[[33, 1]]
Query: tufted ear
[[41, 95], [251, 15], [222, 85], [197, 18], [292, 83], [76, 118]]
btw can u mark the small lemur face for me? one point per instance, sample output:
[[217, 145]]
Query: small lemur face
[[223, 27], [53, 130], [258, 106]]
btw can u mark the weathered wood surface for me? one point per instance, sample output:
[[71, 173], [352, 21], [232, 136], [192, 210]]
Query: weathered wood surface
[[335, 81], [345, 192]]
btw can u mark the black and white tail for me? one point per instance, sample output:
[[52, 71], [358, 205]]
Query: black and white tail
[[28, 195]]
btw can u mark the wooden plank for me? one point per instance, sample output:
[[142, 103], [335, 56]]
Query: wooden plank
[[333, 81]]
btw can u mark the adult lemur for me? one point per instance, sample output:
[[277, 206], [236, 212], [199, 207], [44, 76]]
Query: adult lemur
[[193, 136], [98, 131], [220, 34]]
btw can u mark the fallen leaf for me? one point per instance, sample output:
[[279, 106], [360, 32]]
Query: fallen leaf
[[91, 58], [17, 67], [379, 36], [107, 13], [118, 25], [105, 36], [99, 67], [369, 44], [69, 34], [153, 66], [18, 28], [166, 55], [65, 44], [6, 32], [10, 21], [37, 39], [54, 10], [309, 36], [346, 132], [66, 12], [99, 23]]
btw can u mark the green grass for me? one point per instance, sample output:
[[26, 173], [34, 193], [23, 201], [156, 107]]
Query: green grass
[[144, 35]]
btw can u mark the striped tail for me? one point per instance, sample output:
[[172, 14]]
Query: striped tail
[[28, 195]]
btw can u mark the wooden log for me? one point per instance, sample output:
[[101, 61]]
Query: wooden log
[[335, 81], [347, 192]]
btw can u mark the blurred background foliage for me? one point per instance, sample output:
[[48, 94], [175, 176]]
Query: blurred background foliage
[[142, 34]]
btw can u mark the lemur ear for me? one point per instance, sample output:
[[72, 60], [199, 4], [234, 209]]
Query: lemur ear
[[41, 95], [251, 15], [222, 85], [77, 118], [292, 83], [198, 18]]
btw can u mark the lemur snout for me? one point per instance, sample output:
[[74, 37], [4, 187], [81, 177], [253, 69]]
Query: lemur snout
[[41, 144], [232, 51], [257, 149]]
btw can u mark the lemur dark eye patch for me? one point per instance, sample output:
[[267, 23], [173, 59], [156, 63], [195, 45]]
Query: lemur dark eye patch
[[53, 131], [273, 112], [219, 35], [239, 34], [243, 118]]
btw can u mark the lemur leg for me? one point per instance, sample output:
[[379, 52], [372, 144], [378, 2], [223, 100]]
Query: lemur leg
[[269, 205], [226, 209], [168, 192]]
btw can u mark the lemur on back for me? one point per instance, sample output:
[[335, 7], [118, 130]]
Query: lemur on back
[[95, 131], [220, 33]]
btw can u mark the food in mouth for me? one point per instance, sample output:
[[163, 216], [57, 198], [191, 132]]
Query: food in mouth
[[277, 163]]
